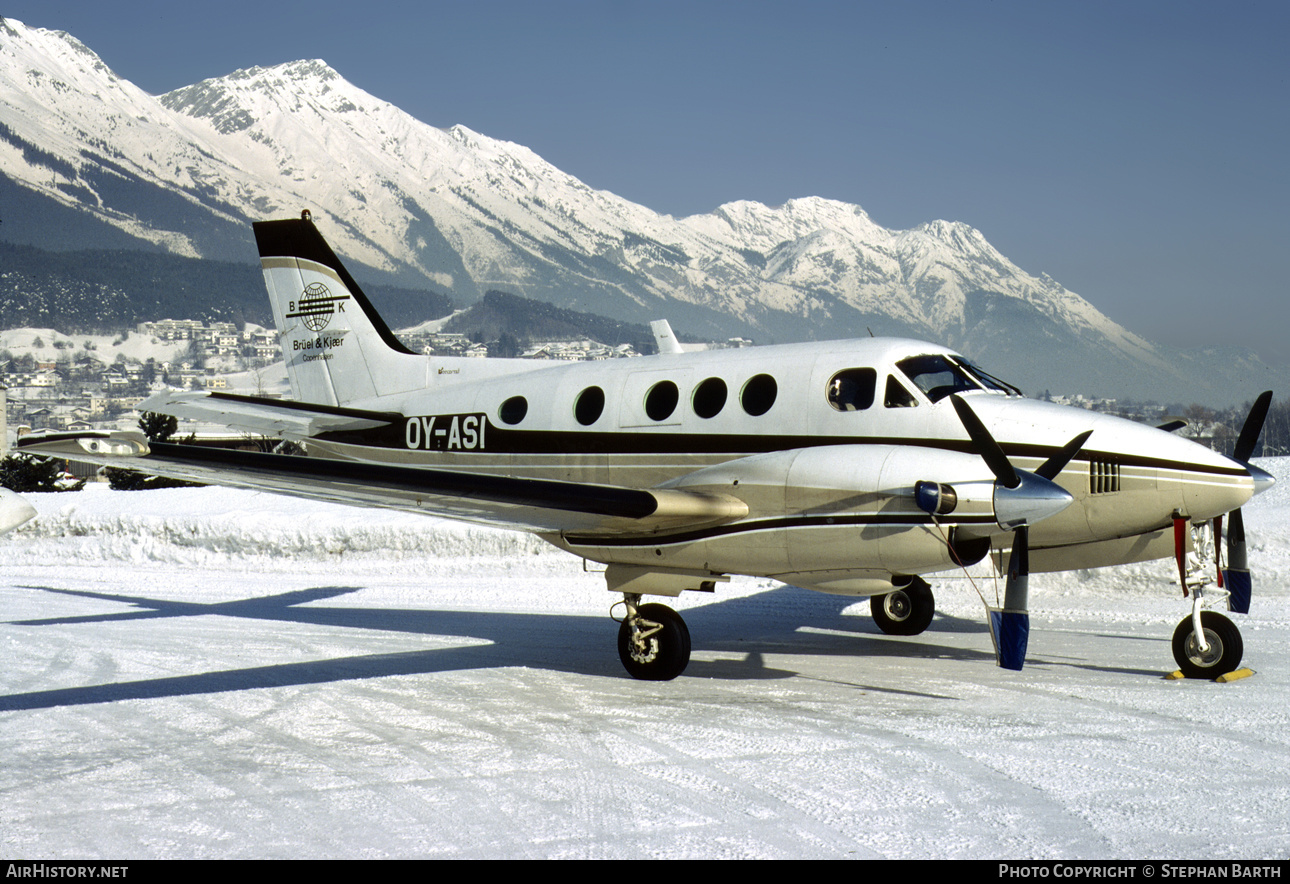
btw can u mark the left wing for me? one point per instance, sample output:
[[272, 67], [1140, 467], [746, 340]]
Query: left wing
[[537, 505]]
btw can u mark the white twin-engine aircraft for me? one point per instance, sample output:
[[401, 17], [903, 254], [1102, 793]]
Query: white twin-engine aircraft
[[848, 467]]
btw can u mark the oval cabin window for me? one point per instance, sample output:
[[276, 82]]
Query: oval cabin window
[[589, 406], [513, 410], [710, 397], [759, 394], [661, 400]]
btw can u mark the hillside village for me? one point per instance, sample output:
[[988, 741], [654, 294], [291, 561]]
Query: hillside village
[[55, 381]]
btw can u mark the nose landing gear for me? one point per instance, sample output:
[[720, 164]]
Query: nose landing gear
[[1206, 644], [1216, 650]]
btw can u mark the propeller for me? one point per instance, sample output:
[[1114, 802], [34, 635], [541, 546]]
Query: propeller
[[1020, 499], [1237, 574]]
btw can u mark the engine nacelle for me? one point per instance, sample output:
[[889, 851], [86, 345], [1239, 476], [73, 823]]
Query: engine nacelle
[[813, 508]]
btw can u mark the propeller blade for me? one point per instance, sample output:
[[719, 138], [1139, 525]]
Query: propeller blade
[[985, 445], [1055, 464], [1171, 426], [1237, 576], [1010, 626], [1253, 426]]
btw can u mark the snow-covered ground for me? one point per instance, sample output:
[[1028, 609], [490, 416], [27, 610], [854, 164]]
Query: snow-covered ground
[[213, 673]]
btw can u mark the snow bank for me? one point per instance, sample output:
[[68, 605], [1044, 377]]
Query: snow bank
[[192, 525]]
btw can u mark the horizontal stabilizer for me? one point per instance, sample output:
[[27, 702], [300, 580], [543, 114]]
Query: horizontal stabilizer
[[270, 417]]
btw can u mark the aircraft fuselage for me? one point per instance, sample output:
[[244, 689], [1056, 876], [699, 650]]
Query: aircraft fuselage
[[767, 425]]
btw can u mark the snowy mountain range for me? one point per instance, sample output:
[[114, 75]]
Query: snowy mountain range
[[87, 159]]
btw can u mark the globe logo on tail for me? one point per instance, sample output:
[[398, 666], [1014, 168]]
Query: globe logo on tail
[[316, 306]]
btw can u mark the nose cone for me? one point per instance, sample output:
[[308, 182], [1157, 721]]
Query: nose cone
[[1035, 498], [1263, 480]]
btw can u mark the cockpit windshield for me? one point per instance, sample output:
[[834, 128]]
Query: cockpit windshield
[[989, 381], [940, 376], [937, 376]]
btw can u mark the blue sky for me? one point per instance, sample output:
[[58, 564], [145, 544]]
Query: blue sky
[[1135, 151]]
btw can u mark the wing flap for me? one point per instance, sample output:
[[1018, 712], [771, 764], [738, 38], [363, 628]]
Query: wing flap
[[537, 505]]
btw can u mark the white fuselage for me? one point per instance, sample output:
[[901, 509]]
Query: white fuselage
[[828, 487]]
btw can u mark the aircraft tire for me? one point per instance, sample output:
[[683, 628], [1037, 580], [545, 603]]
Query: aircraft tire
[[668, 650], [906, 611], [1225, 647]]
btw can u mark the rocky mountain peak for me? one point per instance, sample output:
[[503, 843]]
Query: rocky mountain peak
[[188, 171]]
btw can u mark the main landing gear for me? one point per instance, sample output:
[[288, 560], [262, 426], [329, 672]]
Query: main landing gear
[[653, 641], [907, 611]]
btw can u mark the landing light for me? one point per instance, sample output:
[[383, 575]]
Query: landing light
[[116, 446], [935, 498]]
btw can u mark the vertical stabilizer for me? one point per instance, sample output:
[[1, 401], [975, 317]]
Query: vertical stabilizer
[[337, 349], [664, 338]]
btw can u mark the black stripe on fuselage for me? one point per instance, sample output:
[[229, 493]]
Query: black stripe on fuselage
[[504, 440], [868, 519]]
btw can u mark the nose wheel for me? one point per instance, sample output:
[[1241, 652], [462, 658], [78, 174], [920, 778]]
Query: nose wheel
[[1217, 654], [653, 641]]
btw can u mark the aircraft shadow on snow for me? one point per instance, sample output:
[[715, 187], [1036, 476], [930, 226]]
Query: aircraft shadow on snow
[[564, 643]]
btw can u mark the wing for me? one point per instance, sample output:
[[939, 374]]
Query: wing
[[536, 505]]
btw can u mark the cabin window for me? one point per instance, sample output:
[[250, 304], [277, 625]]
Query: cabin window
[[513, 410], [589, 406], [661, 400], [709, 398], [853, 389], [936, 376], [759, 394], [897, 396]]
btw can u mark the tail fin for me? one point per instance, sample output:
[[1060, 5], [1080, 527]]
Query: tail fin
[[664, 337], [337, 349]]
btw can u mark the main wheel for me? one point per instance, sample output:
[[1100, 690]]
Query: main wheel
[[1223, 654], [906, 611], [664, 650]]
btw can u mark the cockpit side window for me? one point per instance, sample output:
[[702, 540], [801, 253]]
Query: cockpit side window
[[853, 389], [897, 396], [937, 376]]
